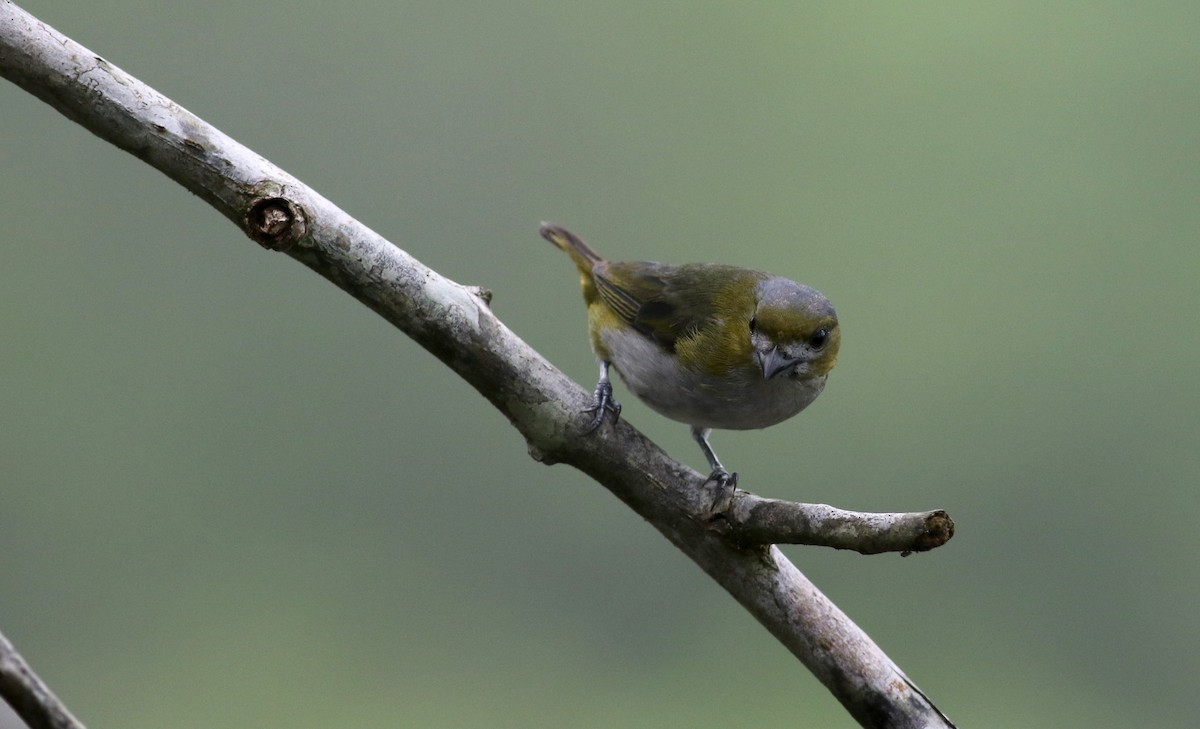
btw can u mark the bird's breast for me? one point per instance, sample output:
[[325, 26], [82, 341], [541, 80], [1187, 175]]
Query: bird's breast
[[738, 400]]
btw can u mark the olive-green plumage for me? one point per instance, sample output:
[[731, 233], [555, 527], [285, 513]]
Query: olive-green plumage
[[710, 345]]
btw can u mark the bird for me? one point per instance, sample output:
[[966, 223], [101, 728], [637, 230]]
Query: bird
[[710, 345]]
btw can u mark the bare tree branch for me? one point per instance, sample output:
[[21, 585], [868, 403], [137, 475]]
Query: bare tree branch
[[454, 323], [33, 701], [753, 520]]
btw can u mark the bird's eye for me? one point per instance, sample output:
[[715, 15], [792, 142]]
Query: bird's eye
[[753, 324], [818, 338]]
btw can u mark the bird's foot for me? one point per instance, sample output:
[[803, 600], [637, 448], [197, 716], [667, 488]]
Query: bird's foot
[[605, 403], [726, 487]]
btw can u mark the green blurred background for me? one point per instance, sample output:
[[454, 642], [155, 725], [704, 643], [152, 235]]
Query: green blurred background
[[232, 496]]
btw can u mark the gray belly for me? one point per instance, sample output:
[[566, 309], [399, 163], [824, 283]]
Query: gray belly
[[743, 402]]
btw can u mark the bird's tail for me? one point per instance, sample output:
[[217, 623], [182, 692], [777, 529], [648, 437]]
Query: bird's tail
[[581, 253]]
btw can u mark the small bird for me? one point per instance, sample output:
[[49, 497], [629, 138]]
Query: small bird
[[709, 345]]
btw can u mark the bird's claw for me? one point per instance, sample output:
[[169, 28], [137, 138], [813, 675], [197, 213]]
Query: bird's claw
[[723, 479], [726, 485], [605, 403]]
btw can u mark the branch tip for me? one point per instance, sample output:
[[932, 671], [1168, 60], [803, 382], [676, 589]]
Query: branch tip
[[750, 520]]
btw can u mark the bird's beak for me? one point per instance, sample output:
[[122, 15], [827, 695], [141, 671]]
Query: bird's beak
[[774, 362]]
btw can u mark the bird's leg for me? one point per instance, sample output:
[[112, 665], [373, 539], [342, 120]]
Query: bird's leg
[[723, 478], [604, 401]]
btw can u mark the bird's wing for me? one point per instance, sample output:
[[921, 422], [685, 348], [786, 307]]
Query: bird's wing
[[656, 299]]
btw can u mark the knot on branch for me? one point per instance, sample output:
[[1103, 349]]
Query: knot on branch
[[484, 295], [275, 223]]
